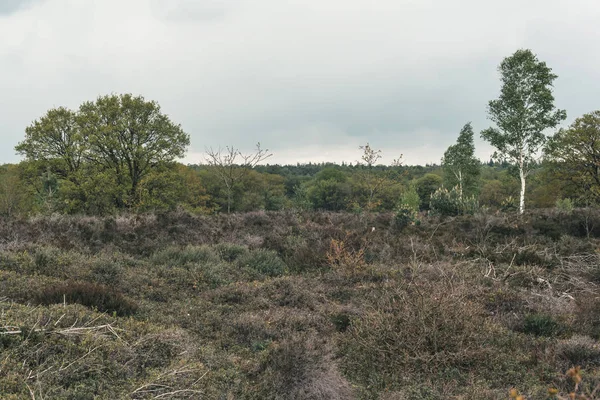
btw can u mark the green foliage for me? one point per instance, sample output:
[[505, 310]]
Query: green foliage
[[129, 136], [426, 186], [565, 205], [329, 194], [230, 252], [509, 204], [266, 262], [410, 198], [541, 325], [55, 136], [450, 202], [121, 137], [574, 153], [13, 196], [176, 256], [524, 110], [461, 167], [405, 215]]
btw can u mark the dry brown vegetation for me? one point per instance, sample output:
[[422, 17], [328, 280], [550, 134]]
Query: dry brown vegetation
[[299, 306]]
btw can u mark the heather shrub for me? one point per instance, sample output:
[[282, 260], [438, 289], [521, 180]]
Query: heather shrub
[[91, 295], [579, 350], [185, 256], [105, 272], [266, 262], [417, 329], [301, 367], [229, 251]]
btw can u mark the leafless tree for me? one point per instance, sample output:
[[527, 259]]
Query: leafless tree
[[375, 181], [232, 166]]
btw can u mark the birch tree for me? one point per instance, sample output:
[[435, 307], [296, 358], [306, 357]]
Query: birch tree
[[461, 167], [524, 110]]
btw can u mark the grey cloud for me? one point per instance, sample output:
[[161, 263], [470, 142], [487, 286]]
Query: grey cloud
[[10, 6], [310, 76]]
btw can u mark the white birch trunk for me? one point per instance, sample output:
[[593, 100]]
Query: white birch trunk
[[522, 197]]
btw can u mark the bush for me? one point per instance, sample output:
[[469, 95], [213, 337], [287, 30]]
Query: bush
[[91, 295], [579, 350], [565, 206], [449, 203], [230, 252], [266, 262], [185, 256], [405, 216], [542, 325], [410, 198], [421, 329], [509, 204], [106, 272]]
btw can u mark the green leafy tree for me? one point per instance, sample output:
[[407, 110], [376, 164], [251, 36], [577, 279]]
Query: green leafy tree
[[55, 136], [575, 155], [461, 168], [410, 198], [524, 110], [170, 187], [130, 136], [13, 198], [426, 186]]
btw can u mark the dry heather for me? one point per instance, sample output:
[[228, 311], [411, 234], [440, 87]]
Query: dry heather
[[300, 306]]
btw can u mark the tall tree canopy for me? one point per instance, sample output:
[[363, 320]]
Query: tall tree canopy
[[461, 168], [130, 136], [55, 136], [524, 110], [121, 137], [575, 153]]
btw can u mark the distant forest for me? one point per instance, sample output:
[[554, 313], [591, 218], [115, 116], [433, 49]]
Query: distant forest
[[118, 154]]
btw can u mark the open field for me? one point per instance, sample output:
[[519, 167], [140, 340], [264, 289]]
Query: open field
[[290, 305]]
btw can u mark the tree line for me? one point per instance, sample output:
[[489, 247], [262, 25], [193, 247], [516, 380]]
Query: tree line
[[120, 152]]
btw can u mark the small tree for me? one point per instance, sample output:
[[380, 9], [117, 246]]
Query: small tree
[[232, 166], [461, 168], [575, 154], [375, 181], [524, 110]]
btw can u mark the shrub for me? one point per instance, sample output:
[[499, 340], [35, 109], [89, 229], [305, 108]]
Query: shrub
[[300, 368], [230, 252], [187, 255], [405, 216], [579, 350], [449, 203], [565, 206], [541, 325], [342, 258], [266, 262], [91, 295], [421, 329], [509, 204], [106, 272], [410, 198]]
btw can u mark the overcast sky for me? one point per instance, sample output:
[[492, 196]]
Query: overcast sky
[[310, 79]]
